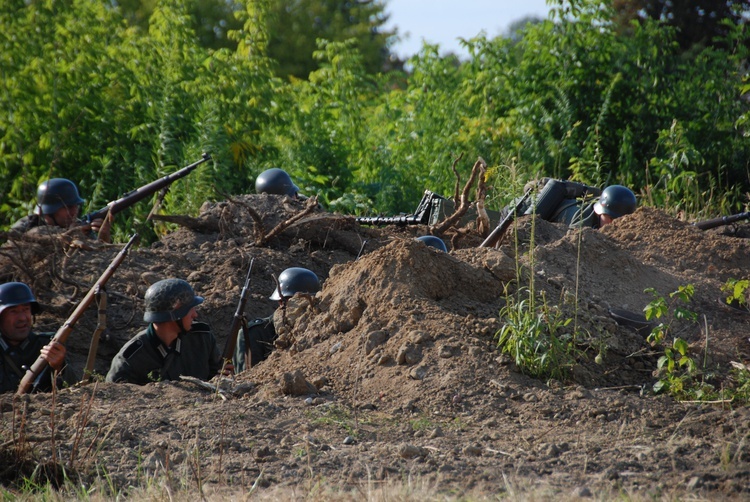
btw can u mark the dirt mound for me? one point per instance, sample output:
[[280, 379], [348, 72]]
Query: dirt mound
[[399, 347]]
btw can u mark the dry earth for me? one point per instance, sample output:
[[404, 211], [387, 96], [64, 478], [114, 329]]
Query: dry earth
[[391, 372]]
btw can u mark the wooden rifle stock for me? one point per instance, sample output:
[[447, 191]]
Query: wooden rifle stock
[[723, 220], [502, 227], [239, 318], [141, 193], [27, 382]]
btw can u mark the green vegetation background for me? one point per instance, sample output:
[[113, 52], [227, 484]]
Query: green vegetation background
[[92, 97]]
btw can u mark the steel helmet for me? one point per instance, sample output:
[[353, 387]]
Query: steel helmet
[[296, 280], [17, 293], [434, 242], [275, 181], [56, 193], [616, 201], [169, 300]]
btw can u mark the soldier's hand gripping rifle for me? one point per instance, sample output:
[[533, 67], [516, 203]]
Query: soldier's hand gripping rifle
[[141, 193], [723, 220], [239, 320], [41, 364]]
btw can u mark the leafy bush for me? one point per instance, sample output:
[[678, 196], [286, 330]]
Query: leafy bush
[[112, 108]]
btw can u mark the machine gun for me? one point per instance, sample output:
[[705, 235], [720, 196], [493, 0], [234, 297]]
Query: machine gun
[[239, 320], [141, 193], [723, 220], [427, 213], [40, 365]]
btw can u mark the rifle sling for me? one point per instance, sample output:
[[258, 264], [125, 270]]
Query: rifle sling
[[12, 365]]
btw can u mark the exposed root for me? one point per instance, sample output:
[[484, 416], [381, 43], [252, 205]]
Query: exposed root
[[480, 167]]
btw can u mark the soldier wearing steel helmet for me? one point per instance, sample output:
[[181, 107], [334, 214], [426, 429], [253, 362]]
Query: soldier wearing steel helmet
[[58, 204], [258, 341], [173, 344], [20, 346], [578, 205], [434, 242], [276, 181], [615, 201]]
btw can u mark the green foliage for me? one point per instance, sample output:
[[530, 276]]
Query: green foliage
[[678, 372], [736, 290], [296, 26], [93, 96], [659, 307], [534, 336]]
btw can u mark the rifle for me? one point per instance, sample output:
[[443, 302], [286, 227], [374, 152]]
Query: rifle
[[141, 193], [502, 227], [239, 320], [41, 364], [723, 220]]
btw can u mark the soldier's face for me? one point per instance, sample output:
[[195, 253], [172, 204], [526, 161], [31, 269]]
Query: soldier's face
[[15, 323], [605, 219], [191, 316], [65, 216]]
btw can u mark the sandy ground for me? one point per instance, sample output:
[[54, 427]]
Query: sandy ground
[[393, 369]]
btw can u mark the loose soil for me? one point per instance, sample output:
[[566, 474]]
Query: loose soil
[[392, 370]]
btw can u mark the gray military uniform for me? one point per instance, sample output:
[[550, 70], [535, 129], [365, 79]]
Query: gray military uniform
[[13, 360], [261, 334], [575, 214], [27, 223], [146, 359]]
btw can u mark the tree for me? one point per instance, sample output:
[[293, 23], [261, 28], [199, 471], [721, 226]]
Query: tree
[[699, 22], [294, 27], [297, 25]]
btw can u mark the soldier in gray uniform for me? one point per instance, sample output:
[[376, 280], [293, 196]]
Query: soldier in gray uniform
[[258, 341], [172, 344], [615, 201], [578, 205], [58, 204], [20, 346]]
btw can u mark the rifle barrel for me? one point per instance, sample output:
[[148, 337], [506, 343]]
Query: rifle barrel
[[62, 334], [239, 316], [141, 193], [722, 220], [502, 227]]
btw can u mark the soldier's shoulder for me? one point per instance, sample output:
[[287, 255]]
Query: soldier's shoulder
[[25, 224], [132, 348], [200, 327], [261, 321]]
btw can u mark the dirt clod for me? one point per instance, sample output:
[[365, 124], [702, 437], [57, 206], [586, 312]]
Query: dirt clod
[[393, 366]]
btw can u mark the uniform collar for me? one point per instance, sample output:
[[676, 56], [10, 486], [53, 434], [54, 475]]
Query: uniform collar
[[5, 346], [162, 349]]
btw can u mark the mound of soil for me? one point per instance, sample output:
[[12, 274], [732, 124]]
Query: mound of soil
[[393, 366]]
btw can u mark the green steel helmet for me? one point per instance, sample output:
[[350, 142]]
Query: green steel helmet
[[434, 242], [275, 181], [17, 293], [296, 280], [169, 300], [56, 193], [616, 201]]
